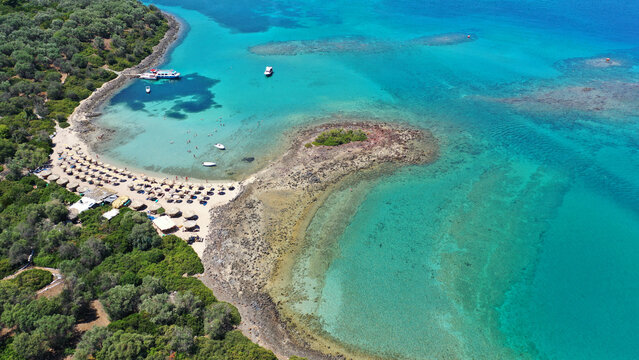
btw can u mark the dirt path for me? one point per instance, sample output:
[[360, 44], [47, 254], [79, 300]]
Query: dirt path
[[102, 319]]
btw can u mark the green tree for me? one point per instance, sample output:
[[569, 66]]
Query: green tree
[[219, 318], [91, 342], [56, 328], [30, 345], [161, 310], [120, 301], [180, 339], [29, 156], [7, 149], [125, 346], [56, 211], [143, 236]]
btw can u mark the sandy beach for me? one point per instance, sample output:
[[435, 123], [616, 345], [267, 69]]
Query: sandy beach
[[250, 229], [72, 152]]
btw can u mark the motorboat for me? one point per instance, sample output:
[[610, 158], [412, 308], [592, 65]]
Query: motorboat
[[155, 74], [269, 71], [208, 164], [220, 146], [148, 89]]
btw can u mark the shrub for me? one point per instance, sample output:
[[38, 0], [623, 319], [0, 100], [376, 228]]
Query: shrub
[[34, 279], [337, 137]]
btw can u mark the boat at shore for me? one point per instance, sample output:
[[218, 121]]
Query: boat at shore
[[220, 146], [155, 74], [269, 71], [148, 89], [208, 164]]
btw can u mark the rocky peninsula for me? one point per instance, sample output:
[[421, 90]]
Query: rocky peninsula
[[252, 237]]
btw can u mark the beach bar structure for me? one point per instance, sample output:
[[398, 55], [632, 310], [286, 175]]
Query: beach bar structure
[[164, 224]]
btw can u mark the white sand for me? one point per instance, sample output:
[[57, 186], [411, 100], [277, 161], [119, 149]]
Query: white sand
[[67, 138]]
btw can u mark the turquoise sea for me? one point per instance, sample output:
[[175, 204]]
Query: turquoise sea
[[520, 241]]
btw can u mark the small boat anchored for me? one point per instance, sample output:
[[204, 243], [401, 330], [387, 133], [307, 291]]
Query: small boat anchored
[[148, 89], [269, 71], [220, 146], [208, 164]]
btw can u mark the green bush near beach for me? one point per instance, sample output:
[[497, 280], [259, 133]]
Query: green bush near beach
[[336, 137], [143, 281], [51, 57], [34, 279]]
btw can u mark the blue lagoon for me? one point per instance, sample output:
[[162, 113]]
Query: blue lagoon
[[519, 241]]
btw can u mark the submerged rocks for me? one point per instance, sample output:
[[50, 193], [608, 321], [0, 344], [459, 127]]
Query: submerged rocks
[[252, 237]]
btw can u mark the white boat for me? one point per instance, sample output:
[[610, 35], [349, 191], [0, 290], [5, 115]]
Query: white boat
[[155, 74], [148, 89], [208, 164], [148, 76], [268, 71], [220, 146]]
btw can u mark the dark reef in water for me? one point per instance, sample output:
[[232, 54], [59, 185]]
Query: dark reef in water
[[193, 86], [356, 44]]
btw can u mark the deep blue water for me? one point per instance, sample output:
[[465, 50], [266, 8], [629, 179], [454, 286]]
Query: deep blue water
[[520, 241]]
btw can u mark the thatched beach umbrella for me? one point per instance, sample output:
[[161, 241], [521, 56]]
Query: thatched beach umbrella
[[173, 212], [189, 215], [154, 208], [62, 181], [53, 177], [190, 225], [72, 186], [136, 205], [45, 174], [83, 189]]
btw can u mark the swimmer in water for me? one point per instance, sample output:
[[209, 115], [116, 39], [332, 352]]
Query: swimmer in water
[[171, 142]]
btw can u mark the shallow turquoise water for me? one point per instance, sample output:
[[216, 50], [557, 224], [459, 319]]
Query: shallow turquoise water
[[518, 242]]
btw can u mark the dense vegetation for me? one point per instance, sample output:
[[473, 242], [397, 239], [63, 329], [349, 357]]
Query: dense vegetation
[[34, 279], [337, 137], [141, 279], [54, 53]]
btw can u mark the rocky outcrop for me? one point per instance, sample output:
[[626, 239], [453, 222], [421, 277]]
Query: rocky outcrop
[[250, 236]]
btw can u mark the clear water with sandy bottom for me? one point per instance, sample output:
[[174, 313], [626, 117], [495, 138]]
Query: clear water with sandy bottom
[[520, 241]]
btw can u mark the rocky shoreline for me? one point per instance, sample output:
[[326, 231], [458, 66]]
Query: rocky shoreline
[[251, 237], [87, 108]]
